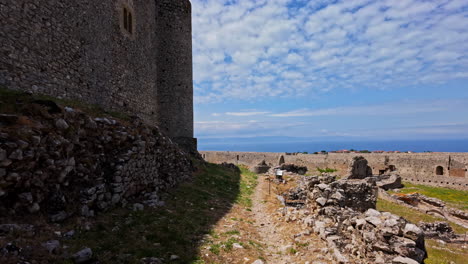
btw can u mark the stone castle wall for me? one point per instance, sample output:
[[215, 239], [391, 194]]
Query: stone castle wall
[[415, 167], [174, 81], [82, 50], [68, 163]]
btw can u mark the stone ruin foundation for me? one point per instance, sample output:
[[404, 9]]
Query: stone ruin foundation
[[342, 212]]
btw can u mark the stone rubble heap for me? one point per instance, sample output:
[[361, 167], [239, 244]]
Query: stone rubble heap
[[301, 170], [439, 230], [414, 199], [62, 162], [343, 214]]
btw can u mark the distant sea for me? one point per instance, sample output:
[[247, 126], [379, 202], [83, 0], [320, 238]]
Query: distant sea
[[315, 146]]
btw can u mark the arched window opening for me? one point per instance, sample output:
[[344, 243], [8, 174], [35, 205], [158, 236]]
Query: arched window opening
[[440, 170]]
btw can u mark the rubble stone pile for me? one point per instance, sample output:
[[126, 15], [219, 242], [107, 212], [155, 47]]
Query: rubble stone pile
[[439, 230], [62, 162], [301, 170], [343, 213]]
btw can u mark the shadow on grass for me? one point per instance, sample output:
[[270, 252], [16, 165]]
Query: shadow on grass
[[178, 228]]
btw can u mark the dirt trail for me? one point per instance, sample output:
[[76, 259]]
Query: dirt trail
[[285, 242], [260, 233]]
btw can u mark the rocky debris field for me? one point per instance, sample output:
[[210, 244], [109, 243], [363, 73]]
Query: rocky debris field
[[342, 213]]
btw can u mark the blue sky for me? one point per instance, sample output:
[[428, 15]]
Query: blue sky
[[353, 69]]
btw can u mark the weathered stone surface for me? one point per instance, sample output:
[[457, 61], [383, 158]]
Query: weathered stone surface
[[343, 214], [3, 154], [358, 169], [52, 246], [440, 230], [82, 256], [388, 182], [61, 124], [403, 260], [412, 231], [60, 56], [73, 169], [418, 168], [230, 166], [294, 168], [258, 261], [261, 168]]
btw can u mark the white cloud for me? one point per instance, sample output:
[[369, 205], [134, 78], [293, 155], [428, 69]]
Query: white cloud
[[250, 49], [390, 109], [246, 113]]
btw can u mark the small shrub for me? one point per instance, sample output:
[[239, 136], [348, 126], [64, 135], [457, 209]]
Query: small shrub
[[326, 170]]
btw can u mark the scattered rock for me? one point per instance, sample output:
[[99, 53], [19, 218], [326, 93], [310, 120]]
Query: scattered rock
[[82, 256], [138, 207], [237, 246], [258, 261], [52, 246], [62, 124], [58, 217], [403, 260], [16, 155], [441, 230]]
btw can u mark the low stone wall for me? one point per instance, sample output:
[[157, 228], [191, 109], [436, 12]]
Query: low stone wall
[[62, 162], [437, 169]]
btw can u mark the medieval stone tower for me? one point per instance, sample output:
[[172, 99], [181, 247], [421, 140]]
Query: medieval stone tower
[[133, 56]]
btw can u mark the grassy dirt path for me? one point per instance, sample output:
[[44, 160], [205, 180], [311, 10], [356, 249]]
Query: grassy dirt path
[[286, 242], [255, 231]]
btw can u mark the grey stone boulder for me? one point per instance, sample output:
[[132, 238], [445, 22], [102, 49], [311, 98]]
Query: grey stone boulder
[[388, 182], [358, 169], [404, 260], [61, 124], [412, 231], [52, 246], [258, 261], [82, 256]]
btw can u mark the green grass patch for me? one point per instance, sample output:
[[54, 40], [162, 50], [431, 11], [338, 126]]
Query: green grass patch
[[191, 211], [247, 187], [453, 198], [413, 215], [444, 254], [232, 233], [326, 170]]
